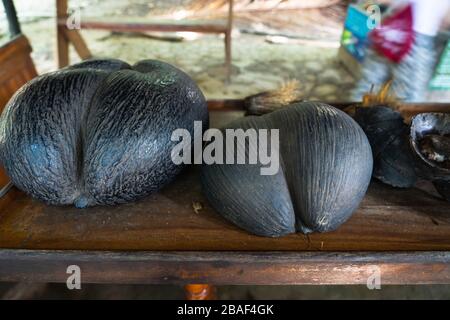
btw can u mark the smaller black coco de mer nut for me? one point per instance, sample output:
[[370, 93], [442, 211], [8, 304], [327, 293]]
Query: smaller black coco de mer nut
[[325, 170]]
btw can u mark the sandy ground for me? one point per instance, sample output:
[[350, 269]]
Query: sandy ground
[[257, 65]]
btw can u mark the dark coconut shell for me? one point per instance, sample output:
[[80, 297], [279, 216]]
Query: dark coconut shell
[[436, 124], [98, 132], [388, 136], [426, 124], [325, 169]]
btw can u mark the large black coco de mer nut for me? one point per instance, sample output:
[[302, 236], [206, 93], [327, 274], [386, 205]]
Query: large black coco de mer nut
[[325, 169], [98, 132]]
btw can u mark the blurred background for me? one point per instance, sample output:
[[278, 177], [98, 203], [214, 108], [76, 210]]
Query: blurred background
[[273, 41], [105, 291], [316, 43]]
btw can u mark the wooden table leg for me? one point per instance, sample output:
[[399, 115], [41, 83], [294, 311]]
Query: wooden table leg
[[62, 43], [200, 292]]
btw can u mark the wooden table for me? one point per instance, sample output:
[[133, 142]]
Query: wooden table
[[162, 240]]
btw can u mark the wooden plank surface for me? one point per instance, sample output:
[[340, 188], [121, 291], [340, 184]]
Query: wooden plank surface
[[388, 220], [227, 267]]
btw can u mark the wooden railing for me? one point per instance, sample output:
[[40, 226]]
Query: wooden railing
[[66, 36]]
